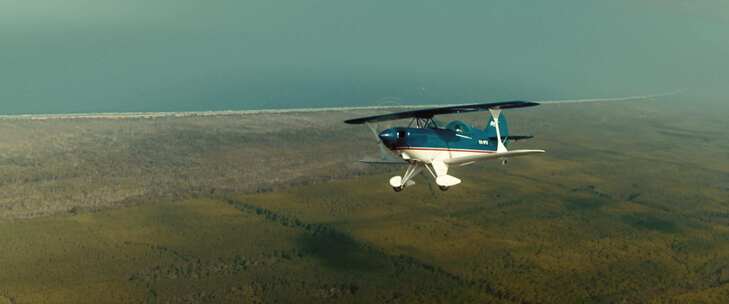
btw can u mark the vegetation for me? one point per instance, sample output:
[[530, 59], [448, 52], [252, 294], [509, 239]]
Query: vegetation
[[58, 165], [629, 205], [204, 251]]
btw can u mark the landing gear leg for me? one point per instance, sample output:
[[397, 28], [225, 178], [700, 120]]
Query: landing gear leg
[[399, 183]]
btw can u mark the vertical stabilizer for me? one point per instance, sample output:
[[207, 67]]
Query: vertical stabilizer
[[497, 128]]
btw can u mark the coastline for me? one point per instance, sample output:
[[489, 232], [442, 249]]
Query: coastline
[[149, 115]]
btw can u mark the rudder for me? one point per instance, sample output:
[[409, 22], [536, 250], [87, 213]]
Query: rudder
[[503, 127]]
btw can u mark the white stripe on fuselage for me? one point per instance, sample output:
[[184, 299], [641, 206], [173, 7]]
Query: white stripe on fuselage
[[446, 155]]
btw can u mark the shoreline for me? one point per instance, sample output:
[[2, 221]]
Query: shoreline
[[130, 115], [150, 115]]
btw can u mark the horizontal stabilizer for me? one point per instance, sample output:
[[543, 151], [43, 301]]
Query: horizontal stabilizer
[[515, 153], [513, 137]]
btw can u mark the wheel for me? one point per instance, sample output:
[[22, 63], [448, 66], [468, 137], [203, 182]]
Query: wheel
[[504, 162], [397, 189], [443, 188]]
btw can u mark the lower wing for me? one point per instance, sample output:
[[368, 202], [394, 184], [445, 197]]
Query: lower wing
[[508, 154]]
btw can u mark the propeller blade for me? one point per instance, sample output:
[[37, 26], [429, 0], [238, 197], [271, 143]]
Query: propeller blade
[[385, 153], [374, 131]]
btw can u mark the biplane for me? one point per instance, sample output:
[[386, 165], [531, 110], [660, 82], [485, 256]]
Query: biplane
[[425, 144]]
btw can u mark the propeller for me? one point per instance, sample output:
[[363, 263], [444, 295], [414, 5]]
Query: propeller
[[385, 153], [386, 156]]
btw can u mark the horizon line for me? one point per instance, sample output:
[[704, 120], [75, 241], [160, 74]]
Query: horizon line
[[209, 113]]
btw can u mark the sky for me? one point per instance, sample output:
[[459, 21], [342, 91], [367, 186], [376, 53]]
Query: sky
[[70, 56]]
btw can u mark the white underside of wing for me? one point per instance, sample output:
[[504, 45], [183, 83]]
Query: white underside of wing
[[460, 156], [497, 155]]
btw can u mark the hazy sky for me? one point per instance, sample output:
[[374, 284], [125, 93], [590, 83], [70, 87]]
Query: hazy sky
[[169, 55]]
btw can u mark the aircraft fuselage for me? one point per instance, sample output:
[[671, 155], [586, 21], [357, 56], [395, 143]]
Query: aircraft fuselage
[[451, 145]]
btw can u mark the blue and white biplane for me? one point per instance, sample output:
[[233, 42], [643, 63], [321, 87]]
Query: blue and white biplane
[[426, 144]]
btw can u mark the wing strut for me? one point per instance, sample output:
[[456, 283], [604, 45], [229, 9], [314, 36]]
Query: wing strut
[[400, 182]]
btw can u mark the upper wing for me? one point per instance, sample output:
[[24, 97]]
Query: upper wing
[[429, 113]]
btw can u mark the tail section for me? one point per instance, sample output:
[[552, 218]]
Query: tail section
[[497, 122], [503, 127], [492, 133]]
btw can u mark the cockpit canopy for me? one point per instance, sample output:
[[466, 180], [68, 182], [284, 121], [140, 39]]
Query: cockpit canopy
[[459, 127]]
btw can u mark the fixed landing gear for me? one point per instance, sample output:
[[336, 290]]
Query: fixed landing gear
[[437, 169], [398, 183]]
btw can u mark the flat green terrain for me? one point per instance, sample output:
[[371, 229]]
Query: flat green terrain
[[204, 251], [629, 205]]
